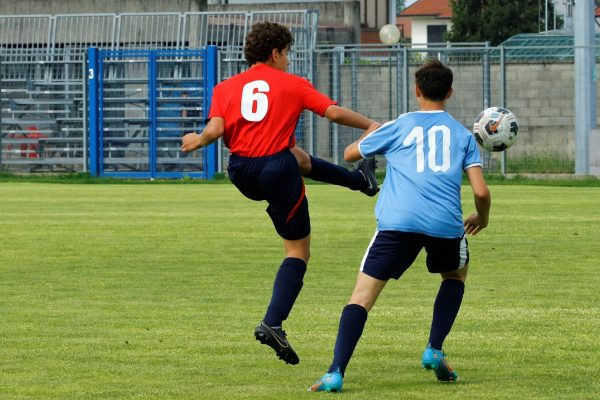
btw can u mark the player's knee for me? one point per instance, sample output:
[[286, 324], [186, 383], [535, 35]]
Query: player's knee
[[303, 254], [304, 165], [303, 160], [459, 274]]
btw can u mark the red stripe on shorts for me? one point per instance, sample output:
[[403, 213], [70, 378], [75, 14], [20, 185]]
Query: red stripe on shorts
[[295, 209]]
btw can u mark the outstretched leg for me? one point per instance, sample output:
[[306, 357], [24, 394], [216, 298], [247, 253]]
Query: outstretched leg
[[362, 178]]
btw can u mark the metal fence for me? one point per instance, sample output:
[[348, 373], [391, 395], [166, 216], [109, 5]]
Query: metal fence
[[43, 97], [141, 103], [378, 81], [149, 30], [44, 101]]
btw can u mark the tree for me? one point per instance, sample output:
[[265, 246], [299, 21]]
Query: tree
[[496, 20], [400, 6]]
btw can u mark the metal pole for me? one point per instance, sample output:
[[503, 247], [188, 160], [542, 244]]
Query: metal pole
[[487, 92], [546, 18], [503, 101], [311, 116], [405, 80], [390, 87], [585, 107], [399, 63], [210, 81], [84, 103], [94, 81], [1, 152], [335, 83], [152, 105], [354, 81]]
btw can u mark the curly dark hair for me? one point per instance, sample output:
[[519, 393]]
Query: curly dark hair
[[434, 79], [263, 38]]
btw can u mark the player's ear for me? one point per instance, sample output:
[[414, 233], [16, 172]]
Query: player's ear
[[274, 55], [417, 91], [449, 93]]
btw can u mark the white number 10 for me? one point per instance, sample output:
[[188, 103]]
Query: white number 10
[[254, 94], [416, 135]]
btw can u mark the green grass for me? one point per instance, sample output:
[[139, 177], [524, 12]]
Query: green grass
[[153, 291], [566, 180]]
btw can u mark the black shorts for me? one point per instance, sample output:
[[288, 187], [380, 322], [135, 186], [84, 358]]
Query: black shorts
[[277, 180], [390, 253]]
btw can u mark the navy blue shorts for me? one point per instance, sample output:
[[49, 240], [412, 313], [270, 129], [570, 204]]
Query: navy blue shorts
[[390, 253], [277, 180]]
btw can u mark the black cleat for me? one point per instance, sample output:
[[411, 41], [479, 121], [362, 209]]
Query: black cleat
[[276, 339], [367, 166]]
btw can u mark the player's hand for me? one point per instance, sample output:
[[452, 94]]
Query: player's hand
[[190, 142], [474, 224], [372, 127]]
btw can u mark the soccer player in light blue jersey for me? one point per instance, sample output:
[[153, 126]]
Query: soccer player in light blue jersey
[[419, 207]]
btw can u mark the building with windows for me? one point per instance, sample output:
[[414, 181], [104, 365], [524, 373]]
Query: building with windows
[[429, 21]]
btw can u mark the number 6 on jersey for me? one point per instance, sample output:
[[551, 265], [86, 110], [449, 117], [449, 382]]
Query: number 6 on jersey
[[254, 101]]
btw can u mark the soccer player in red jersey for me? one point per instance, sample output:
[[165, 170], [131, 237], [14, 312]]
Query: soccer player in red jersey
[[256, 113]]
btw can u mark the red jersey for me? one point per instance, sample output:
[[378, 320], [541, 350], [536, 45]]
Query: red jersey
[[261, 108]]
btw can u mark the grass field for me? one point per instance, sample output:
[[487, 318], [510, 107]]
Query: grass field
[[153, 291]]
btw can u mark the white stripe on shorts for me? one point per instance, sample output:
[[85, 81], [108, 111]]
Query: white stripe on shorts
[[463, 252], [362, 263]]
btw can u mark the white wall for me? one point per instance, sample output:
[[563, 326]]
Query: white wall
[[419, 28]]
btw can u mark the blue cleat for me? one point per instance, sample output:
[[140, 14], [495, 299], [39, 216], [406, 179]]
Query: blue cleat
[[330, 382], [436, 360]]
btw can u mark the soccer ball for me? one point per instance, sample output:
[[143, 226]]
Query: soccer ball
[[495, 129]]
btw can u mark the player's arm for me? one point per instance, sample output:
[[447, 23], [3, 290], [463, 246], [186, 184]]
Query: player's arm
[[344, 116], [211, 133], [351, 152], [483, 201]]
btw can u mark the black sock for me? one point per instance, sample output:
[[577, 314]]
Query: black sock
[[325, 171], [287, 285], [445, 309], [352, 322]]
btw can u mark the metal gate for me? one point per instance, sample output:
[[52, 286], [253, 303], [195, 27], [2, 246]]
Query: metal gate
[[141, 102]]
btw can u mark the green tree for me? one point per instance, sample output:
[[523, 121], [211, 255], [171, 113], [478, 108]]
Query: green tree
[[400, 6], [496, 20]]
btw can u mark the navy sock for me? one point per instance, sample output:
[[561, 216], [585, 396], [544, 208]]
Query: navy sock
[[445, 309], [325, 171], [352, 322], [287, 285]]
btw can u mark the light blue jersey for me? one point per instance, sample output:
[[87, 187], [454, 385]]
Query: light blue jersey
[[426, 152]]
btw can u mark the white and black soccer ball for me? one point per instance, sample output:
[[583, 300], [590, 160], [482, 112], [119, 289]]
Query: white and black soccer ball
[[496, 128]]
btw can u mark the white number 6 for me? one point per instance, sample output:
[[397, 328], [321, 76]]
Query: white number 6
[[254, 93]]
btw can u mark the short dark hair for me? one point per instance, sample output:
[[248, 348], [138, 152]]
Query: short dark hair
[[434, 79], [263, 38]]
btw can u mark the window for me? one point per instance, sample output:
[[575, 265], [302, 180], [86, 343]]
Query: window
[[436, 33]]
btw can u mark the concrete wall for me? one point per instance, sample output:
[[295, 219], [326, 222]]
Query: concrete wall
[[540, 95]]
